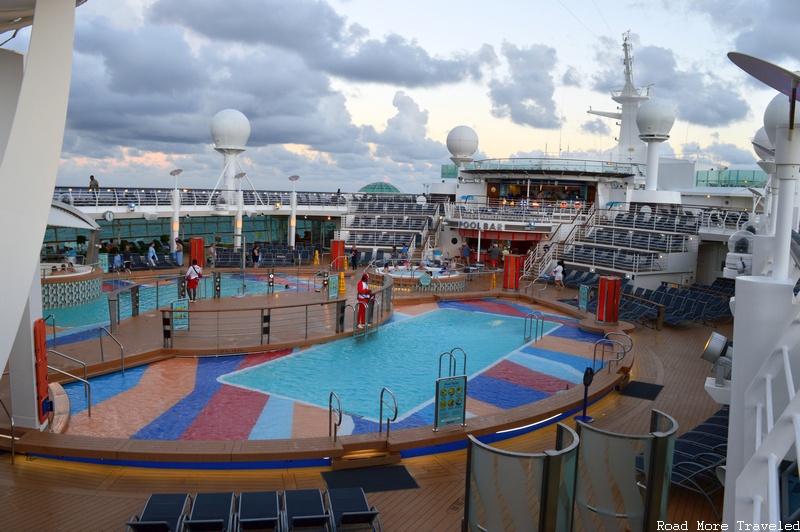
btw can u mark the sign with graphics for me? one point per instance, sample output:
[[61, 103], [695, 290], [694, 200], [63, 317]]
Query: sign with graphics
[[333, 287], [180, 315], [583, 297], [451, 400]]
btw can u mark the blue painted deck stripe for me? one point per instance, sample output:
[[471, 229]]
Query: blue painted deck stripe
[[275, 421]]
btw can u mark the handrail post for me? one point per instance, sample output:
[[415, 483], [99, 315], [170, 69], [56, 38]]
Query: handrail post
[[113, 313], [380, 415], [13, 433], [121, 347], [333, 428], [86, 385], [54, 329]]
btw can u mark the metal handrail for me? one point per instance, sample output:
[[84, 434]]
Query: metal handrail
[[54, 327], [452, 366], [380, 415], [100, 331], [603, 343], [13, 433], [114, 308], [333, 428], [80, 362], [86, 386], [624, 339]]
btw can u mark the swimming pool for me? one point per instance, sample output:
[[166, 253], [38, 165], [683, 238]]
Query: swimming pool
[[220, 398], [403, 357], [95, 313]]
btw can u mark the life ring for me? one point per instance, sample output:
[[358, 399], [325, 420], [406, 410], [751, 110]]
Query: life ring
[[65, 198]]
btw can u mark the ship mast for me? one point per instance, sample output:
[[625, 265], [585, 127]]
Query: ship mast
[[629, 148]]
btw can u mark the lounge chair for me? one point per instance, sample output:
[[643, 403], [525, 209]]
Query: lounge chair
[[211, 511], [258, 510], [162, 512], [304, 510], [350, 510]]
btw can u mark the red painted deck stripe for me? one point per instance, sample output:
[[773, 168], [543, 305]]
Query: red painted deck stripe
[[232, 412], [522, 376], [497, 308], [230, 415]]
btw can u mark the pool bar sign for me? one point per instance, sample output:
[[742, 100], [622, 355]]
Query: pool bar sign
[[451, 399]]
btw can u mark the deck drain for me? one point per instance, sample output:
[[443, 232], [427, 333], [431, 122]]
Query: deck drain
[[457, 506]]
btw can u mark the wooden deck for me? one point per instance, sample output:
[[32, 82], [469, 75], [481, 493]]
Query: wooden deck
[[46, 494]]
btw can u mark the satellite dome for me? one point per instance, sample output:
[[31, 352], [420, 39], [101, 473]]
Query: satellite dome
[[760, 141], [230, 129], [777, 114], [462, 141], [655, 119]]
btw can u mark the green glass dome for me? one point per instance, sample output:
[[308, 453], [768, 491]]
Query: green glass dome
[[379, 187]]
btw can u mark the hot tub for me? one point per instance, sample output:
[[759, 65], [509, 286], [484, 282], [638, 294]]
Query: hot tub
[[65, 288], [423, 279]]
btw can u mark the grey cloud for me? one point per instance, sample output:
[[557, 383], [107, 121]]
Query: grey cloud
[[405, 140], [731, 154], [571, 77], [135, 62], [526, 95], [700, 97], [322, 37], [596, 127], [763, 29]]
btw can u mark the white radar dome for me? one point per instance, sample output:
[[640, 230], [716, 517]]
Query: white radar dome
[[655, 119], [230, 129], [760, 141], [777, 114], [462, 141]]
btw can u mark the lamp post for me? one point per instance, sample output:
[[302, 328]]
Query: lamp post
[[176, 213], [293, 213], [237, 230]]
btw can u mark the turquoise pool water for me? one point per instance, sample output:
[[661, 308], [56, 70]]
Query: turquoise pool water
[[403, 357], [95, 313]]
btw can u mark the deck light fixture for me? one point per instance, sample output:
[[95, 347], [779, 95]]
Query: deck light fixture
[[716, 352]]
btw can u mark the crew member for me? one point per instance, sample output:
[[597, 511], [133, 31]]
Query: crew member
[[364, 296], [193, 276]]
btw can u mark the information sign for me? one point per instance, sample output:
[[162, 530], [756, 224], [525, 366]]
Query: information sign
[[451, 395], [333, 287], [583, 297], [102, 262], [180, 315]]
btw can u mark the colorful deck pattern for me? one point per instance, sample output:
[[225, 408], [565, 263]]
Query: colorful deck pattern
[[182, 399]]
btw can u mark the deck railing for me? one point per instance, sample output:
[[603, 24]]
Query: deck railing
[[773, 424], [195, 328]]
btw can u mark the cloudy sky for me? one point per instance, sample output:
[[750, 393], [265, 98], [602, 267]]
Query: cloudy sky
[[348, 92]]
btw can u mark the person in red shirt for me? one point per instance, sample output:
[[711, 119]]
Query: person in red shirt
[[364, 296]]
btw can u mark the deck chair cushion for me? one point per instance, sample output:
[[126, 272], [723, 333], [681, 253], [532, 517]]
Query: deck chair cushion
[[259, 510], [161, 512], [210, 511]]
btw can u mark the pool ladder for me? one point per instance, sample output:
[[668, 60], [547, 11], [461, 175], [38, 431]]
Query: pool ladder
[[363, 453], [533, 326], [370, 326]]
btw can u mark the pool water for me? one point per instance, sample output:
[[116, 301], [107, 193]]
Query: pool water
[[284, 393], [403, 357], [95, 313]]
